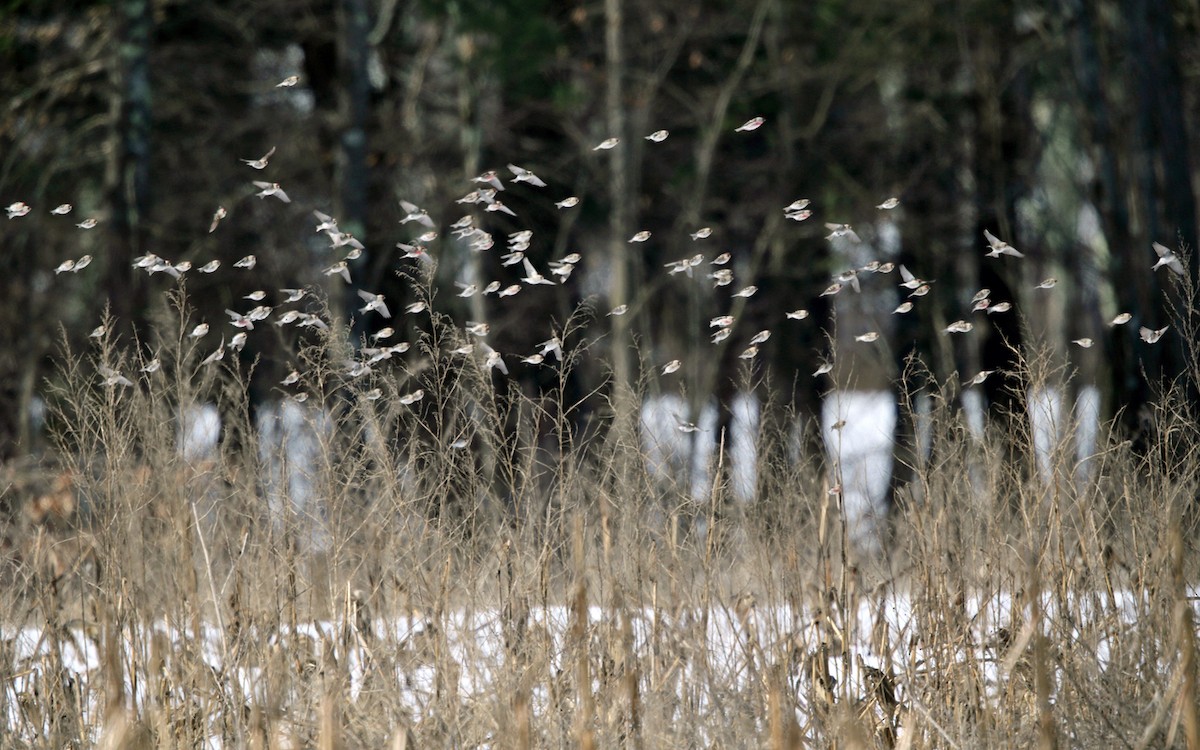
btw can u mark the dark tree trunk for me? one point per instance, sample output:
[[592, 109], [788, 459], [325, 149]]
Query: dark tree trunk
[[355, 105], [128, 176]]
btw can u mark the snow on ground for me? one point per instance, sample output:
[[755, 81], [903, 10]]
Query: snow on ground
[[475, 642]]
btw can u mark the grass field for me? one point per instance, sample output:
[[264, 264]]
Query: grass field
[[475, 571]]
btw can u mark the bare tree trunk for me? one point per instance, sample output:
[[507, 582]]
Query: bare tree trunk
[[128, 177], [355, 93], [620, 203]]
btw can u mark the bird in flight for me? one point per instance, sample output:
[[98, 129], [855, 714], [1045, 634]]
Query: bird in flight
[[262, 161], [1167, 257]]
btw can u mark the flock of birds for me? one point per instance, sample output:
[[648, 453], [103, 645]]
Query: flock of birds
[[484, 195]]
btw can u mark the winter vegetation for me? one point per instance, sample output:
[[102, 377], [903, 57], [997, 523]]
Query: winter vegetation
[[512, 374]]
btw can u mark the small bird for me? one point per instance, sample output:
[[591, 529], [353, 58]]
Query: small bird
[[1121, 319], [260, 163], [83, 262], [414, 308], [831, 290], [910, 281], [686, 427], [152, 366], [415, 213], [902, 308], [219, 214], [889, 204], [210, 266], [491, 288], [533, 359], [701, 234], [338, 268], [533, 276], [493, 360], [920, 291], [721, 259], [237, 320], [412, 398], [238, 342], [289, 317], [247, 263], [216, 356], [999, 307], [606, 144], [982, 294], [268, 189], [721, 321], [641, 236], [721, 277], [750, 352], [374, 394], [1048, 283], [999, 247], [1167, 257], [1150, 335], [552, 345], [17, 209], [797, 314], [823, 369], [658, 136], [754, 123], [867, 337], [509, 291], [374, 302], [721, 335], [112, 377], [797, 205], [61, 209], [383, 333], [460, 443], [799, 215], [619, 310], [498, 206], [466, 290], [477, 329], [672, 366], [98, 332], [520, 174], [746, 293], [959, 326], [255, 296], [841, 230], [1084, 343], [199, 331], [981, 305], [66, 265], [489, 178], [293, 295], [288, 82], [760, 337], [326, 222], [292, 378], [978, 379], [87, 224], [569, 202]]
